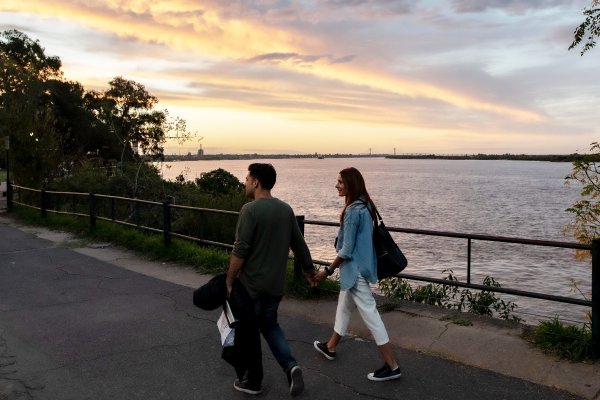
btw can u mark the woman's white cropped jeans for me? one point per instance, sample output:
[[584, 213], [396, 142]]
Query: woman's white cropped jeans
[[360, 296]]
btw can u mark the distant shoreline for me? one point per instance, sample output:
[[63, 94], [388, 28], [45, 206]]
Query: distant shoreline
[[510, 157]]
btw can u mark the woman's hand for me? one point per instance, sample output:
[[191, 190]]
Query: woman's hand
[[320, 276]]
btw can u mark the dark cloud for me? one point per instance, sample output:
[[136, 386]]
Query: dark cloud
[[510, 6], [299, 58]]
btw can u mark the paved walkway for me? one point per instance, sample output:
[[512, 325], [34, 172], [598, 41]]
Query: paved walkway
[[91, 321]]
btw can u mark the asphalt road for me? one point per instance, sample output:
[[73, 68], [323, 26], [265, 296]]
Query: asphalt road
[[74, 327]]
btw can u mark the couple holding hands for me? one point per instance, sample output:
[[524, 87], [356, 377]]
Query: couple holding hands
[[266, 230]]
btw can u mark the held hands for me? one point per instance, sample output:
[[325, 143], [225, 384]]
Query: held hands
[[316, 277]]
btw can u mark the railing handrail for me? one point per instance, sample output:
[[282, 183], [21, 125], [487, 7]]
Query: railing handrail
[[474, 236], [460, 235]]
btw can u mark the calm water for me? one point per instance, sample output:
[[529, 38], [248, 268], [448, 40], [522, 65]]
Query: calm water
[[507, 198]]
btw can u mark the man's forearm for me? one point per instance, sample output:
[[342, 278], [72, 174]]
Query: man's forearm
[[235, 266]]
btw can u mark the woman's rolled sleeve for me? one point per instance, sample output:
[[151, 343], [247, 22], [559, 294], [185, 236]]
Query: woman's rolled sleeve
[[350, 226]]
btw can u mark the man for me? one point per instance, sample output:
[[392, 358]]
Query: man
[[265, 232]]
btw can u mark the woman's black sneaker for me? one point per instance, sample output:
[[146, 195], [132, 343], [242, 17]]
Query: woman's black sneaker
[[322, 348], [385, 373]]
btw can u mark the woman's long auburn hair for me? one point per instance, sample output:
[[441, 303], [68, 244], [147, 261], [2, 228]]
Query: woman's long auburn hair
[[355, 188]]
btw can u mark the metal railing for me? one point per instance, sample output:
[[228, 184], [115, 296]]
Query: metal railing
[[165, 229]]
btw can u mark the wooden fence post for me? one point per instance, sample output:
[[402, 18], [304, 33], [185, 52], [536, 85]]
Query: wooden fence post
[[43, 203], [167, 222]]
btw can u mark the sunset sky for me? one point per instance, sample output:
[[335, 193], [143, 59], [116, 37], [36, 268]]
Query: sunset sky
[[338, 76]]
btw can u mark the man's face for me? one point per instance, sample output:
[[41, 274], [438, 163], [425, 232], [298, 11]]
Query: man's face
[[250, 186]]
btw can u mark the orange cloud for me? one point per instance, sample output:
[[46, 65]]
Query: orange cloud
[[204, 30]]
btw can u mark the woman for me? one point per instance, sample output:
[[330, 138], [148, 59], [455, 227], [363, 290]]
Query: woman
[[356, 261]]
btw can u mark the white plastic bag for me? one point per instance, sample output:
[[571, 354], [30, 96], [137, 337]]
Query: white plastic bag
[[227, 333]]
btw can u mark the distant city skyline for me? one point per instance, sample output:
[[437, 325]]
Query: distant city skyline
[[281, 77]]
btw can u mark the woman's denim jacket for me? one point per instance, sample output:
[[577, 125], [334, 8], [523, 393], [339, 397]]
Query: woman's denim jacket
[[355, 245]]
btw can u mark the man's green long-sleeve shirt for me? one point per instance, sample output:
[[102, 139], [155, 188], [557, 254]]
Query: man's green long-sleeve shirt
[[265, 232]]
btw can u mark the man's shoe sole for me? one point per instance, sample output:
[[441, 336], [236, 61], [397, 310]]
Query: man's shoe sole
[[244, 390], [297, 381]]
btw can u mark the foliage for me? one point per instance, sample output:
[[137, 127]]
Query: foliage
[[566, 341], [590, 27], [481, 302], [25, 102], [219, 181], [586, 224], [56, 126], [127, 109], [143, 181]]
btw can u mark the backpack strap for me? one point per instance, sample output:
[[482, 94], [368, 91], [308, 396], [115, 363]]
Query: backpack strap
[[371, 211]]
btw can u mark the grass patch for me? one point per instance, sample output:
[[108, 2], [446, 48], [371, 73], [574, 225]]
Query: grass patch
[[205, 260], [387, 306], [569, 342], [457, 320]]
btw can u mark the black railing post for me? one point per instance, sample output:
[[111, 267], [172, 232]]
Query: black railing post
[[596, 295], [43, 203], [136, 212], [469, 261], [9, 202], [297, 269], [93, 211], [112, 208], [167, 222]]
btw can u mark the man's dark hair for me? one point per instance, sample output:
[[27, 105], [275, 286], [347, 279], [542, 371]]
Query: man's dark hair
[[265, 173]]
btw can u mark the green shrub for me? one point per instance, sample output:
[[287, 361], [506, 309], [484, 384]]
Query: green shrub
[[219, 182], [566, 341], [482, 302], [222, 191]]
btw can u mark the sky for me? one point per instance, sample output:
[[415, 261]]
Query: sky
[[338, 76]]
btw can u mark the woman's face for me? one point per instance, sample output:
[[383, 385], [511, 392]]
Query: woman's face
[[341, 187]]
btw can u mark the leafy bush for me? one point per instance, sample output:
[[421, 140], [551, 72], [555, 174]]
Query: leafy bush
[[219, 182], [143, 181], [566, 341], [481, 302]]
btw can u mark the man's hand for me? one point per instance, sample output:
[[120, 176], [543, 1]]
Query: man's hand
[[235, 266], [310, 278], [316, 277], [229, 286]]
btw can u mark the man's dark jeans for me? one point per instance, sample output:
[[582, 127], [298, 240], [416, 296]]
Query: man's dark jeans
[[247, 334], [265, 309]]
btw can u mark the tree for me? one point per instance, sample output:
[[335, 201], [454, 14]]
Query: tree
[[24, 73], [219, 182], [51, 130], [590, 27], [586, 225], [128, 111], [55, 125]]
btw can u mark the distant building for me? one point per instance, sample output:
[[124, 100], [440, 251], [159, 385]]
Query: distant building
[[200, 152]]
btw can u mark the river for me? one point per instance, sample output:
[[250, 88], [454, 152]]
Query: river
[[524, 199]]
